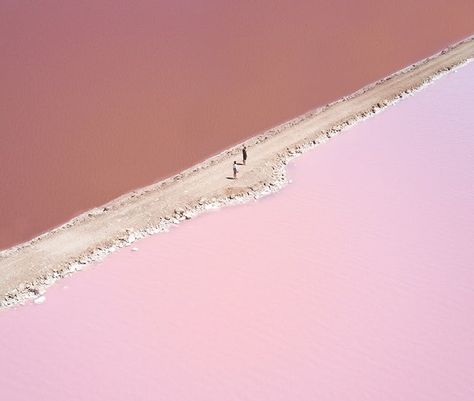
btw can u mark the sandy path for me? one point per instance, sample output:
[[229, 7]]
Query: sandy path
[[27, 269]]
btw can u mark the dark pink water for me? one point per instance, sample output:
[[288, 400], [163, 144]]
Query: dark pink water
[[99, 97], [354, 283]]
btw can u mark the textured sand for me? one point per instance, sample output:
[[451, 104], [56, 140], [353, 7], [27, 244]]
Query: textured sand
[[27, 269]]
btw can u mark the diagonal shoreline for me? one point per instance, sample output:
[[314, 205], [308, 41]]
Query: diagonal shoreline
[[27, 269]]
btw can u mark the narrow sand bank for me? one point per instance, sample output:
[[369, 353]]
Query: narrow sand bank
[[27, 269]]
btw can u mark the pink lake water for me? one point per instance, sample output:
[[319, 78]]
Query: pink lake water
[[353, 283], [100, 97]]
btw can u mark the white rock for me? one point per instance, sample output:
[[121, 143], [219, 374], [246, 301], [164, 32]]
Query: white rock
[[40, 300]]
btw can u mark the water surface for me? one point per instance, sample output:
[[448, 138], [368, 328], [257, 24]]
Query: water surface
[[353, 283], [99, 97]]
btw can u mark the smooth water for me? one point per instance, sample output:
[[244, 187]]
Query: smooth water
[[353, 283], [99, 97]]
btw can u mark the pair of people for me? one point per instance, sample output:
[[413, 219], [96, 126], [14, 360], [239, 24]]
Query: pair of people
[[235, 167]]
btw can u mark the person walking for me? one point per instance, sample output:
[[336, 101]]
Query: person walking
[[244, 155], [235, 169]]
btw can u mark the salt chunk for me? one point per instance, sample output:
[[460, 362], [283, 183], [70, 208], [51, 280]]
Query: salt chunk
[[134, 249], [40, 300]]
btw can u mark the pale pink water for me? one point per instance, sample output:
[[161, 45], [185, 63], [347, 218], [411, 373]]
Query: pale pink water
[[354, 283]]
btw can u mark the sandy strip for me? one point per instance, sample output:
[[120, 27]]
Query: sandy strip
[[28, 269]]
